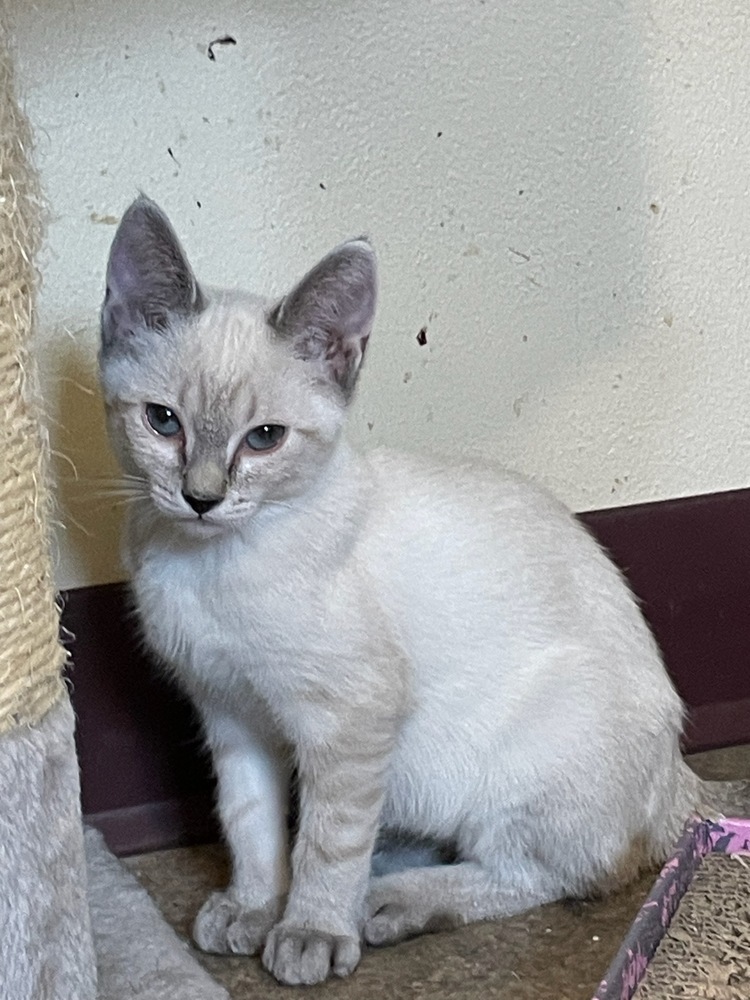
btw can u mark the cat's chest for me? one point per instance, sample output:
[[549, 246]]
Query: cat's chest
[[216, 615]]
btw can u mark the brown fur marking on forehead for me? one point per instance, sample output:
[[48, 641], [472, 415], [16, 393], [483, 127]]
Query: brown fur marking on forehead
[[225, 350], [217, 407]]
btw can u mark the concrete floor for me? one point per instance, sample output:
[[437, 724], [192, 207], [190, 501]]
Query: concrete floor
[[557, 952]]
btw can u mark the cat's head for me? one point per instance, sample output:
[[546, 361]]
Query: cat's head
[[222, 402]]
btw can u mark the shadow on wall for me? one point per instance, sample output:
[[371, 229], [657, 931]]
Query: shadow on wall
[[89, 499]]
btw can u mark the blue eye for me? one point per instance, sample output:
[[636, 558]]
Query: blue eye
[[163, 420], [265, 437]]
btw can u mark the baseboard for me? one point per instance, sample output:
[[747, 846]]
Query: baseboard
[[158, 825], [718, 724], [138, 741], [688, 561], [146, 779]]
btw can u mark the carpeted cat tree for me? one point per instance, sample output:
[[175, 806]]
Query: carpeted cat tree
[[74, 925]]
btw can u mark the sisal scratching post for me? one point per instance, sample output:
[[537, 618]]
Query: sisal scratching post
[[46, 950], [31, 657]]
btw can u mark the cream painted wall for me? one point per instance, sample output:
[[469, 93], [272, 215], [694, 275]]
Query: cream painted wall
[[558, 193]]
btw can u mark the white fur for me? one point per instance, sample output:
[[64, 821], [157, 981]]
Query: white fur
[[441, 649]]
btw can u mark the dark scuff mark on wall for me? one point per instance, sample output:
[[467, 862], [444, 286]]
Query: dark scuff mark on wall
[[422, 336], [224, 40], [519, 253]]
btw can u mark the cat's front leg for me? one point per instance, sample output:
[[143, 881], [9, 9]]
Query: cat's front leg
[[253, 786], [341, 795]]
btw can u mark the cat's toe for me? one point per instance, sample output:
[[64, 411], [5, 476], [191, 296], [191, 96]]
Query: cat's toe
[[394, 922], [394, 915], [391, 923], [210, 926], [302, 956], [225, 927], [390, 916]]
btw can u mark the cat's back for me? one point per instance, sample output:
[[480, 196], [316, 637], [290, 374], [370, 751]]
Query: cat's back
[[483, 544], [476, 499]]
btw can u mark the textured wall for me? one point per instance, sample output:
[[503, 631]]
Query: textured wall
[[558, 193]]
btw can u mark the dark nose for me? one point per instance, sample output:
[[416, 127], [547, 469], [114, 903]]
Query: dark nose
[[201, 505]]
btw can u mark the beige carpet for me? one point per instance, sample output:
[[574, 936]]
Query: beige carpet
[[557, 952]]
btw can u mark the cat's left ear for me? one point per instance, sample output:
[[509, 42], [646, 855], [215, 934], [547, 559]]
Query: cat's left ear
[[328, 316]]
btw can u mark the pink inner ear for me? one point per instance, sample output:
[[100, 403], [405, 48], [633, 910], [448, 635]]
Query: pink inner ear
[[344, 358], [329, 314]]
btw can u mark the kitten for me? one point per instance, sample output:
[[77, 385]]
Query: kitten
[[441, 650]]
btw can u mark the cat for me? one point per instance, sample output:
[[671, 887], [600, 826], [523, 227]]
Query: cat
[[439, 649]]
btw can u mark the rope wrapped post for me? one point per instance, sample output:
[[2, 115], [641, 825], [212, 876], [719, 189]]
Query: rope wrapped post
[[31, 657], [46, 946]]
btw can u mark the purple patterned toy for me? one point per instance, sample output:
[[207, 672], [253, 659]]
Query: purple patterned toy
[[701, 837]]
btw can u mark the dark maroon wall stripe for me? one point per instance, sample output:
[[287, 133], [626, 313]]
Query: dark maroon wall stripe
[[146, 779], [688, 560], [138, 743]]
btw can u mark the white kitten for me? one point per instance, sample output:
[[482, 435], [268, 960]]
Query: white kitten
[[440, 650]]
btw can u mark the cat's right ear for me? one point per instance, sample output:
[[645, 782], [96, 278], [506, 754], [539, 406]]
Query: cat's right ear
[[149, 278]]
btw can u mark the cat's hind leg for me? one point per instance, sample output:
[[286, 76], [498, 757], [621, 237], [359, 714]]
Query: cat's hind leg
[[396, 851], [508, 867], [419, 900]]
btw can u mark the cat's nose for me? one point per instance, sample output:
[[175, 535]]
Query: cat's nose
[[201, 505]]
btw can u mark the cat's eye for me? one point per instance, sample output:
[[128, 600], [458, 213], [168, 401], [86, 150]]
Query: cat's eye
[[163, 420], [265, 436]]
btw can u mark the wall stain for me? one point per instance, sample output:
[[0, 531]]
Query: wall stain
[[519, 403], [104, 220]]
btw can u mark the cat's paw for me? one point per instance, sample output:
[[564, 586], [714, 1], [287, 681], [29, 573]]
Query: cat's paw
[[304, 956], [394, 915], [225, 927]]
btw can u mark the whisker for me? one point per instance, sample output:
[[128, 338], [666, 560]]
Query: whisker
[[101, 496], [78, 385], [66, 458], [124, 501], [108, 482], [94, 492], [76, 524]]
